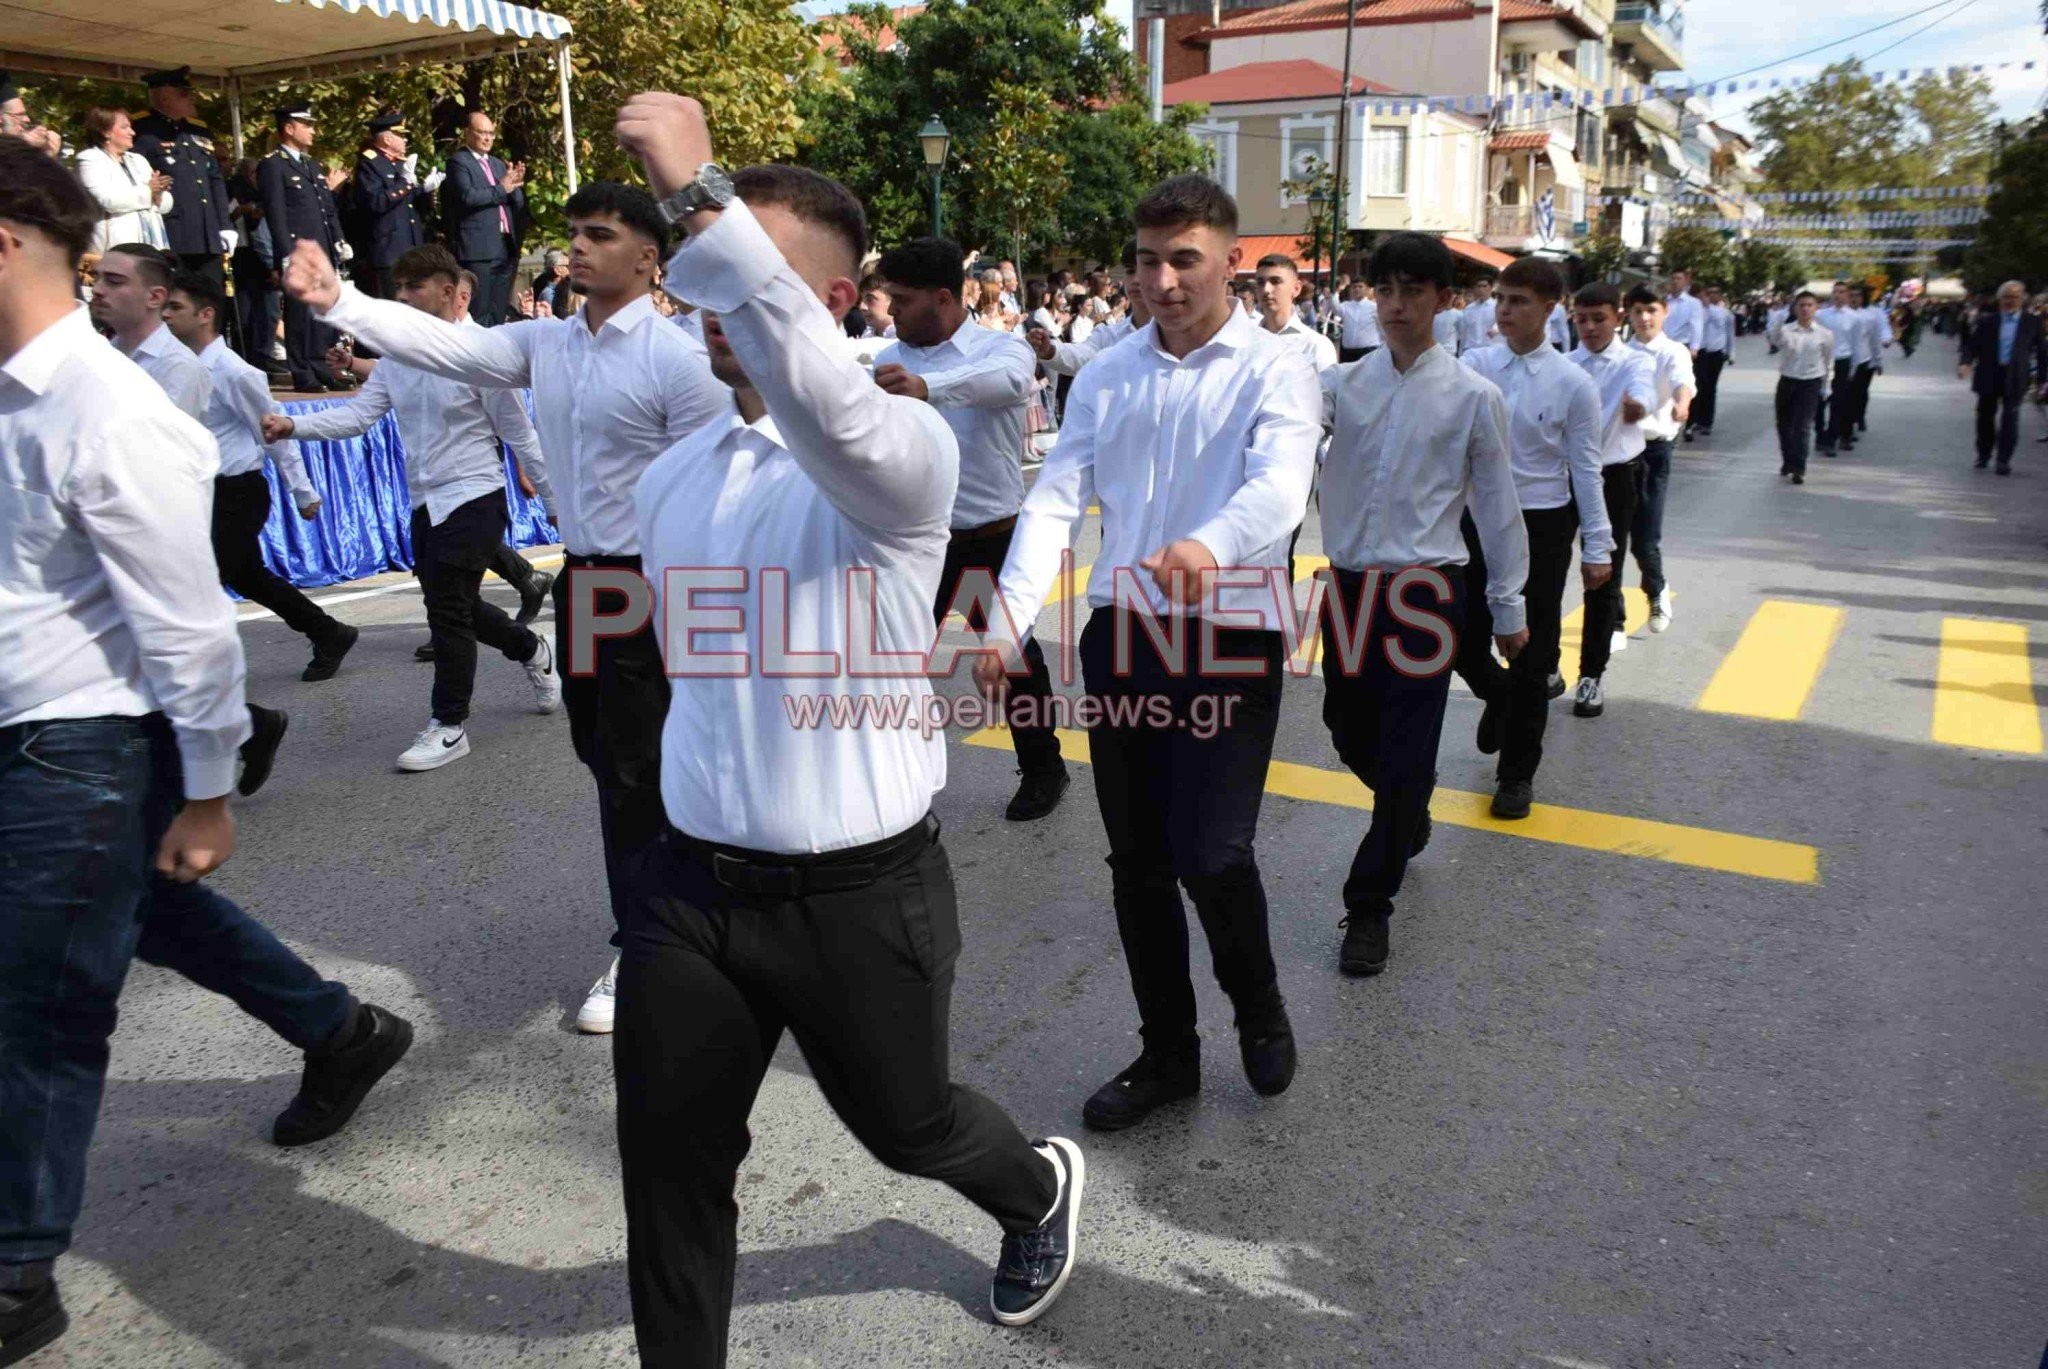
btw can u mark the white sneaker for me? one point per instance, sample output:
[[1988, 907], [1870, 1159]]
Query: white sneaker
[[1660, 612], [1618, 643], [595, 1016], [1589, 702], [547, 685], [435, 747]]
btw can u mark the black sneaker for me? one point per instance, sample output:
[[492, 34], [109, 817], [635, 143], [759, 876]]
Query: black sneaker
[[1983, 462], [1365, 947], [1422, 835], [1799, 479], [338, 1079], [1493, 721], [534, 597], [2005, 468], [424, 651], [1038, 793], [1151, 1082], [1033, 1268], [30, 1320], [1554, 687], [1267, 1048], [327, 653], [260, 751], [1512, 799]]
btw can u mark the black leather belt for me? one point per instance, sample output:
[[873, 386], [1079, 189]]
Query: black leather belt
[[779, 875]]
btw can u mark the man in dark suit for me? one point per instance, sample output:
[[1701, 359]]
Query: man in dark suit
[[482, 202], [182, 148], [391, 201], [298, 205], [2007, 352]]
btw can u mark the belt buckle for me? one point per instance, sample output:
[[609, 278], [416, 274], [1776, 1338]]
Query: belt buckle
[[748, 878]]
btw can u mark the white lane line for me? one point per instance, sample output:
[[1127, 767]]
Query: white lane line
[[249, 613], [1566, 1362]]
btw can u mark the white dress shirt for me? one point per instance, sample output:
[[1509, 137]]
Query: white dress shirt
[[1218, 446], [1806, 351], [1069, 357], [1410, 454], [1874, 336], [1842, 326], [605, 405], [1553, 436], [1674, 372], [1361, 319], [176, 371], [1682, 319], [981, 382], [1717, 329], [1621, 372], [234, 415], [1446, 327], [1320, 352], [1774, 319], [1475, 326], [450, 432], [1558, 326], [110, 603], [837, 475], [129, 212]]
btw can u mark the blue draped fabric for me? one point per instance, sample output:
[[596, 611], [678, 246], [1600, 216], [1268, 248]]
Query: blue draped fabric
[[365, 522]]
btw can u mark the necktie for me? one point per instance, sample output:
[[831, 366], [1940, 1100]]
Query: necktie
[[504, 219]]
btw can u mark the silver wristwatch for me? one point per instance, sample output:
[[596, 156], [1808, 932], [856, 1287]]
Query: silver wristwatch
[[712, 189]]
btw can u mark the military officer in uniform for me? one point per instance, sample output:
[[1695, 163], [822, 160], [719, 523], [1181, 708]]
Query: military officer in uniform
[[182, 148], [392, 200], [298, 205]]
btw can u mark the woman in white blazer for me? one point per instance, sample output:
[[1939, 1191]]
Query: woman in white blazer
[[133, 196]]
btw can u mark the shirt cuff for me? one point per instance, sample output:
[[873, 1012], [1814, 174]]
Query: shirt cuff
[[208, 773], [1509, 615], [342, 312], [1217, 536], [727, 264]]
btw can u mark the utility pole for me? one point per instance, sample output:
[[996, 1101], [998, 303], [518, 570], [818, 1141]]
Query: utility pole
[[1340, 219]]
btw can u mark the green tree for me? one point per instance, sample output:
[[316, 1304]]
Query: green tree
[[2012, 242], [1022, 160], [1755, 266], [1702, 251], [1602, 255], [1314, 244]]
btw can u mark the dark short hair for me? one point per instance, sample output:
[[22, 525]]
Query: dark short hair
[[629, 204], [156, 269], [1418, 258], [1597, 295], [1185, 200], [469, 279], [38, 193], [1806, 294], [1277, 259], [423, 263], [205, 293], [1130, 256], [815, 198], [1643, 294], [925, 264], [1539, 277], [99, 122]]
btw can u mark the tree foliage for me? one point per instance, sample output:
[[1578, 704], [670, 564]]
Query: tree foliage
[[2012, 242], [1756, 266], [1702, 251], [1320, 179], [1603, 255], [1025, 166]]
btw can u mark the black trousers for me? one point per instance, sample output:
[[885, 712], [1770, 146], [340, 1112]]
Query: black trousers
[[616, 710], [1831, 419], [491, 301], [1385, 718], [1797, 402], [451, 557], [306, 340], [1038, 747], [514, 569], [241, 506], [1179, 788], [1622, 484], [1998, 420], [377, 282], [1859, 397], [1706, 369], [852, 953], [1524, 682], [1354, 353], [256, 312]]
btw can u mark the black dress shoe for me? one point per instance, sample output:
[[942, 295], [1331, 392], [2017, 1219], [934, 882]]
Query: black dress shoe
[[1799, 479], [30, 1320], [1365, 947], [260, 751], [2005, 468], [340, 383], [1422, 833], [534, 597], [1038, 793], [1267, 1048], [1149, 1084], [1982, 462], [424, 651], [1493, 720], [1512, 799], [327, 654], [1554, 687], [1034, 1265], [309, 388], [338, 1078]]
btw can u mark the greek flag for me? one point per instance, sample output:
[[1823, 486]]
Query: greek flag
[[1546, 216]]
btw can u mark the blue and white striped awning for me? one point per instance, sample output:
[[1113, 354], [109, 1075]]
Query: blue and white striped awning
[[468, 15]]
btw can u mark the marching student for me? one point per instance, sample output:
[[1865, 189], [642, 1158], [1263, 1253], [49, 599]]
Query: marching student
[[1683, 313], [1627, 380], [1717, 347], [1197, 437], [1477, 325], [798, 882], [1447, 326], [121, 709], [980, 380], [1419, 440], [1774, 319], [456, 472], [614, 385], [1278, 281], [1806, 367], [1360, 315], [1873, 335], [134, 285], [1559, 328], [1833, 426], [1554, 433], [1661, 426]]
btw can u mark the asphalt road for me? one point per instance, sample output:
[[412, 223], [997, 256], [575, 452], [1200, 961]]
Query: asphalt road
[[1629, 1095]]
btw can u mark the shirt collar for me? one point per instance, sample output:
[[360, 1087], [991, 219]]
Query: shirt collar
[[1432, 357], [630, 317], [961, 339], [213, 351], [1238, 332], [157, 343], [1295, 324], [1616, 348], [36, 365]]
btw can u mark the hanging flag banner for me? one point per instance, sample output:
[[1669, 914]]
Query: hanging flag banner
[[1857, 223], [1863, 195]]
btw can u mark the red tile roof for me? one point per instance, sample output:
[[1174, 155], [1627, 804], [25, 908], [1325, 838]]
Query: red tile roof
[[830, 43], [1519, 142], [1530, 11], [1331, 14], [1300, 79]]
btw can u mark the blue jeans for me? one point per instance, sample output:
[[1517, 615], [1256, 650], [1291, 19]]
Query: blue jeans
[[1648, 533], [83, 805]]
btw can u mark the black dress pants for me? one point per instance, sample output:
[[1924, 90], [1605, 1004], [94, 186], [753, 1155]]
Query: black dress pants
[[1706, 369], [1524, 682], [1030, 698], [616, 710], [1386, 717], [451, 557], [1797, 402], [852, 953], [1998, 420], [1831, 419], [241, 506], [1180, 761], [1622, 484]]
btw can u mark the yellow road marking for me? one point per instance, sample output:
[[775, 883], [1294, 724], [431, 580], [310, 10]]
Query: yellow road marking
[[1984, 690], [1703, 847], [1069, 587], [1635, 613], [1775, 663]]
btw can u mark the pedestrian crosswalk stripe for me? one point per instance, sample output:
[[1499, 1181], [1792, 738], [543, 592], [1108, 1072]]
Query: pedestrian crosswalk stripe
[[1703, 847], [1775, 663], [1983, 688]]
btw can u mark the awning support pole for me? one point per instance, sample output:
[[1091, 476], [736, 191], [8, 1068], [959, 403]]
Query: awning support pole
[[568, 119], [235, 113]]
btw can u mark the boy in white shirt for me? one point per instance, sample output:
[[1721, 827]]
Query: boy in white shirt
[[1667, 418]]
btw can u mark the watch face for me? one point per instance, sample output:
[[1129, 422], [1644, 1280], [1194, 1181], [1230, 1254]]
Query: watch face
[[716, 184]]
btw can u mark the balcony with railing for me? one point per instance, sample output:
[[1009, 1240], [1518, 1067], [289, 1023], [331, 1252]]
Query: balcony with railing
[[1655, 30], [1512, 224]]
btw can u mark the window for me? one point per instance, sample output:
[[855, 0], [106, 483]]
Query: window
[[1306, 143], [1592, 62], [1386, 161], [1221, 141]]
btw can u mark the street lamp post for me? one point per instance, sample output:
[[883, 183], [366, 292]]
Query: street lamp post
[[935, 140], [1318, 205]]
